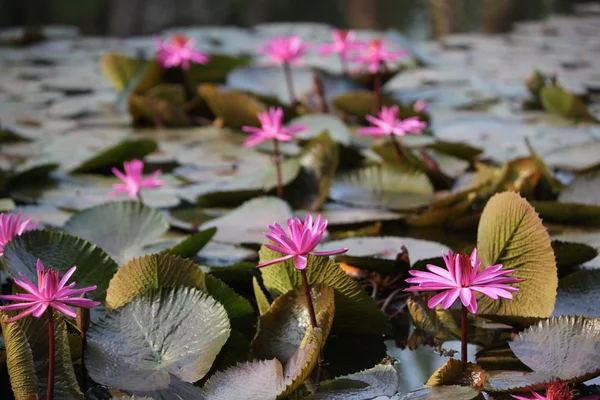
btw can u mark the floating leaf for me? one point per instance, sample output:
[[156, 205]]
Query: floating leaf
[[247, 223], [438, 216], [355, 311], [568, 213], [235, 108], [121, 70], [283, 327], [236, 305], [316, 124], [454, 372], [26, 344], [558, 101], [579, 294], [60, 251], [115, 156], [261, 298], [381, 380], [217, 68], [164, 104], [383, 187], [191, 245], [584, 189], [359, 103], [510, 233], [457, 149], [172, 336], [122, 229], [442, 393], [575, 355], [570, 254], [579, 157]]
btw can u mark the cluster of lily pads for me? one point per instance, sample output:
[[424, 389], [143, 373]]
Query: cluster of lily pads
[[169, 317]]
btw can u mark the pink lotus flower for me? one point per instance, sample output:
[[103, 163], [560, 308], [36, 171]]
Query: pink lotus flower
[[388, 123], [300, 242], [421, 106], [179, 52], [11, 227], [556, 390], [343, 43], [134, 180], [462, 278], [50, 292], [376, 55], [285, 50], [271, 128]]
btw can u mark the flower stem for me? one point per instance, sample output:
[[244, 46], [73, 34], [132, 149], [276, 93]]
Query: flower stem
[[463, 334], [287, 72], [278, 168], [344, 66], [50, 391], [376, 93], [398, 149], [139, 197], [313, 318]]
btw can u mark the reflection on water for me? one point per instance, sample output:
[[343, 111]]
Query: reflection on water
[[416, 367]]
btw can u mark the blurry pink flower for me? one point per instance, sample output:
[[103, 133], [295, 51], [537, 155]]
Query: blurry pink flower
[[421, 106], [556, 390], [376, 55], [285, 50], [271, 128], [179, 52], [11, 227], [462, 278], [300, 242], [343, 43], [388, 123], [50, 292], [134, 179]]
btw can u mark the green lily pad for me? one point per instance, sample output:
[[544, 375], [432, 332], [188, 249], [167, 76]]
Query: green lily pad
[[457, 149], [439, 216], [261, 298], [355, 310], [454, 372], [235, 108], [316, 124], [235, 305], [122, 229], [116, 155], [246, 223], [442, 393], [511, 233], [568, 213], [383, 187], [192, 244], [575, 355], [283, 327], [26, 344], [217, 68], [579, 294], [164, 104], [569, 254], [359, 103], [579, 157], [60, 251], [558, 101], [123, 70], [172, 337]]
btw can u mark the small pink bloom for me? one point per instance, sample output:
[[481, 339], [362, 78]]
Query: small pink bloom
[[271, 128], [285, 50], [556, 390], [134, 179], [388, 123], [462, 278], [50, 292], [343, 43], [300, 242], [421, 106], [11, 227], [375, 55], [179, 52]]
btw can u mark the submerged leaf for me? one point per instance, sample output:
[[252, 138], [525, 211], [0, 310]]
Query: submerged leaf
[[510, 233]]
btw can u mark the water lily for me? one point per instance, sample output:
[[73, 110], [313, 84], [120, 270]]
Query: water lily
[[11, 226], [375, 55], [344, 42], [421, 106], [556, 390], [285, 50], [179, 52], [133, 179], [388, 123]]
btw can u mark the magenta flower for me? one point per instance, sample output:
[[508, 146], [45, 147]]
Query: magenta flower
[[179, 52], [285, 50], [421, 106], [271, 128], [133, 179], [388, 123], [50, 292], [556, 390], [343, 43], [462, 278], [11, 227], [375, 55], [300, 242]]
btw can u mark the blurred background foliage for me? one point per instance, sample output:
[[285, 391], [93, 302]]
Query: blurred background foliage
[[420, 19]]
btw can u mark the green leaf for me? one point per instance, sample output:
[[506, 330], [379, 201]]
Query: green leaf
[[383, 187], [217, 68], [116, 155], [570, 254], [261, 298], [152, 272], [579, 294], [454, 372], [441, 215], [355, 310], [171, 336], [283, 327], [555, 185], [236, 305], [558, 101], [442, 393], [511, 233], [575, 355], [246, 223], [191, 245], [123, 229], [316, 124], [122, 70], [381, 380], [164, 104], [235, 108], [568, 213], [457, 149], [26, 342], [60, 251], [359, 103]]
